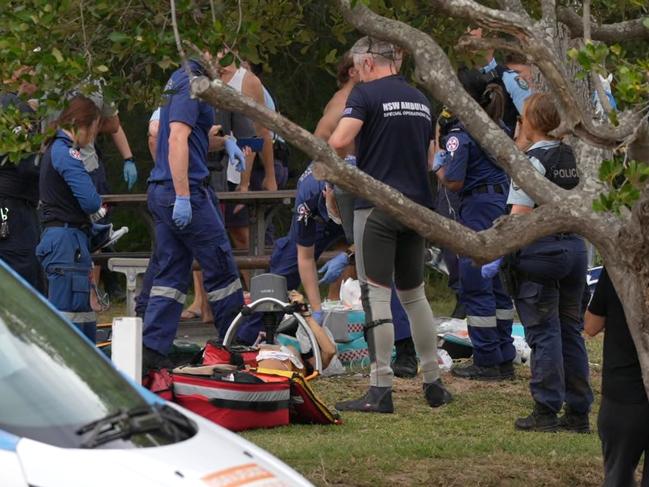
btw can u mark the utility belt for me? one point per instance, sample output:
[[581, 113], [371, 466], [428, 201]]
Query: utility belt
[[512, 277], [203, 183], [486, 188], [61, 224]]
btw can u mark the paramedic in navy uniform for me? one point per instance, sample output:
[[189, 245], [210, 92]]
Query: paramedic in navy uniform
[[392, 126], [483, 186], [187, 222], [68, 198]]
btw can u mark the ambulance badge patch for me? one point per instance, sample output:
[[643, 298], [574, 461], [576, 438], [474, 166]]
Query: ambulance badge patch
[[303, 213], [452, 144]]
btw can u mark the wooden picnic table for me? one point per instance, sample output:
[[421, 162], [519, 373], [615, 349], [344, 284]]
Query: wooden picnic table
[[262, 206]]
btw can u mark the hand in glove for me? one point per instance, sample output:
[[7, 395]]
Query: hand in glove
[[491, 269], [182, 213], [440, 160], [333, 268], [235, 155], [130, 172]]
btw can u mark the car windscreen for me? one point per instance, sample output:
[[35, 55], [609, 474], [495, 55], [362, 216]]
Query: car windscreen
[[52, 380]]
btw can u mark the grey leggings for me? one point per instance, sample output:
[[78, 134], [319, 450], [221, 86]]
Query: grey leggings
[[387, 250]]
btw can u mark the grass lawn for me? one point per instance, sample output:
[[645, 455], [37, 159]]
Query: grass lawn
[[471, 442]]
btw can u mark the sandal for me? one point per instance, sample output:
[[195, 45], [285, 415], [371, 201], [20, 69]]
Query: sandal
[[190, 315]]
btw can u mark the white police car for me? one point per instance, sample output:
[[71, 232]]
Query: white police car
[[69, 419]]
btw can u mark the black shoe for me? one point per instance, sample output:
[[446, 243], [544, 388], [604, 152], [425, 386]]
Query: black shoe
[[576, 423], [477, 372], [459, 312], [436, 394], [541, 419], [405, 364], [153, 360], [377, 400], [507, 370]]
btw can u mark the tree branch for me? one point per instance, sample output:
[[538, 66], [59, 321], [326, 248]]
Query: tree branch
[[513, 6], [549, 11], [542, 53], [621, 31], [508, 234], [472, 43]]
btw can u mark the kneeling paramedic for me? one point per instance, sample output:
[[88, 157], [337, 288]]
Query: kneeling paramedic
[[188, 224], [68, 199], [315, 226]]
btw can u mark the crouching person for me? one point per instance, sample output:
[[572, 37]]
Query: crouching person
[[68, 199]]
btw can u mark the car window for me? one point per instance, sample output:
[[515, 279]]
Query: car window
[[51, 379]]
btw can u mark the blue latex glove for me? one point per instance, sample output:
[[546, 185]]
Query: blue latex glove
[[182, 214], [440, 160], [318, 316], [130, 173], [491, 269], [235, 154], [333, 268]]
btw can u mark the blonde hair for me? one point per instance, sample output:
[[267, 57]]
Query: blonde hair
[[541, 112]]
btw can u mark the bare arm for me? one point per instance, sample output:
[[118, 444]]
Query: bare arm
[[593, 324], [252, 87], [308, 270], [326, 346], [154, 126], [345, 133], [521, 210], [121, 142], [331, 116], [179, 156], [109, 125]]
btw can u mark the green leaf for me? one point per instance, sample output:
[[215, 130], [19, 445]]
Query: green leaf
[[117, 37], [57, 54], [102, 68], [332, 56]]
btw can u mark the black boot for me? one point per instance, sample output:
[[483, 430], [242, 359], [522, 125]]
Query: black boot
[[377, 400], [507, 370], [405, 364], [436, 394], [153, 360], [574, 422], [477, 372], [541, 419], [459, 312]]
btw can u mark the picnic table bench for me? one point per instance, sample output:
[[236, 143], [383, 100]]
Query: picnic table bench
[[262, 206]]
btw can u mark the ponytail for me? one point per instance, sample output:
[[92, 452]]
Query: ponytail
[[493, 102]]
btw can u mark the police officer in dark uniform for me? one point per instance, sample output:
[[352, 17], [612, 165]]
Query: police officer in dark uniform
[[68, 198], [551, 275], [19, 228]]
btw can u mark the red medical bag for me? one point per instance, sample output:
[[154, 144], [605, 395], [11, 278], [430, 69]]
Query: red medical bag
[[236, 400]]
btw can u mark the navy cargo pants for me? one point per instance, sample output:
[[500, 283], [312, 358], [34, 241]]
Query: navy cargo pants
[[205, 240], [549, 301]]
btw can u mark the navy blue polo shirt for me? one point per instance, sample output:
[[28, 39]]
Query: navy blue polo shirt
[[199, 115], [468, 162], [310, 211], [393, 143]]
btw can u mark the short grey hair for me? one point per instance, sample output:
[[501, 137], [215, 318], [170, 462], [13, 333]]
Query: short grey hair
[[382, 52]]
